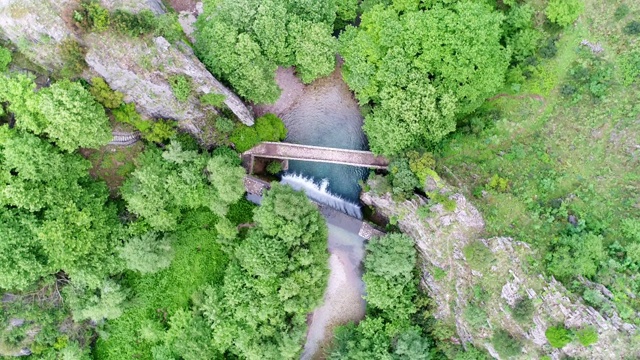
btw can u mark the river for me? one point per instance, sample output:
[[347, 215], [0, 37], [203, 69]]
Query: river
[[325, 113]]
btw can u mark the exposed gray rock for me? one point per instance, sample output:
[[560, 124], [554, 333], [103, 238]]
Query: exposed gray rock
[[139, 69], [440, 239]]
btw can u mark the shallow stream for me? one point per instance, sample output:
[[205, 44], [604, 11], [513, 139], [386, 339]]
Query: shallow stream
[[325, 113]]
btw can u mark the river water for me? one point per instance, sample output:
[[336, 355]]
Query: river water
[[325, 113]]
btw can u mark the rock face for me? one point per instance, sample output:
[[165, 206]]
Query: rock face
[[139, 68], [440, 239]]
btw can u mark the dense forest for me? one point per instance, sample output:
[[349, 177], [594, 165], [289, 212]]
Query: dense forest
[[151, 251]]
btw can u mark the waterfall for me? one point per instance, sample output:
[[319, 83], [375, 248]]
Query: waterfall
[[320, 194]]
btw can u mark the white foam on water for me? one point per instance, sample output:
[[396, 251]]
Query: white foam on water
[[321, 194]]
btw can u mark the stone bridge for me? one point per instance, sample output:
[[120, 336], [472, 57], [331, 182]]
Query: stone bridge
[[286, 151]]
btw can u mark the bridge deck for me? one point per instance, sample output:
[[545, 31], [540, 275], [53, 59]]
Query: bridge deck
[[318, 154]]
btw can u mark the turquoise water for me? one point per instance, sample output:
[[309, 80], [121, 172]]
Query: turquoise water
[[328, 115]]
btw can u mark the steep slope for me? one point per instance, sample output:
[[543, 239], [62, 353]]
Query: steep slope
[[496, 282], [138, 67]]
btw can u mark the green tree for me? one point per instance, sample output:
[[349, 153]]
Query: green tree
[[575, 255], [66, 216], [74, 119], [147, 253], [102, 303], [245, 41], [181, 87], [564, 12], [270, 128], [389, 265], [276, 277], [5, 58], [104, 95], [167, 182], [244, 137], [422, 69]]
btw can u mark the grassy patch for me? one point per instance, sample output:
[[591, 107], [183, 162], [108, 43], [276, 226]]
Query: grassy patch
[[112, 164]]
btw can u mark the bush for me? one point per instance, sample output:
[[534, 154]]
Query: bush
[[564, 12], [403, 180], [475, 316], [632, 28], [104, 95], [505, 344], [131, 24], [181, 87], [549, 49], [72, 54], [224, 125], [213, 99], [274, 167], [522, 310], [244, 137], [621, 12], [5, 58], [587, 336], [558, 336], [97, 17], [478, 255], [270, 128]]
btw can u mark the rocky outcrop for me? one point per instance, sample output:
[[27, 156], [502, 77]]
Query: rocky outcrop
[[448, 277], [139, 68]]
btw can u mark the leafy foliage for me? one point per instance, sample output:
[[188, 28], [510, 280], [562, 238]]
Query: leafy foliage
[[478, 255], [270, 128], [146, 253], [5, 58], [277, 276], [97, 305], [404, 63], [165, 183], [65, 111], [575, 255], [505, 344], [54, 216], [587, 336], [558, 336], [104, 95], [244, 42], [155, 131], [564, 12], [213, 99], [632, 28], [403, 181], [244, 137], [522, 310], [72, 55], [181, 87]]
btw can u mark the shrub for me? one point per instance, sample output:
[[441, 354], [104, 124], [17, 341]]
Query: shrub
[[131, 24], [5, 58], [558, 336], [505, 344], [97, 17], [224, 125], [244, 138], [403, 180], [72, 54], [478, 255], [422, 165], [181, 87], [160, 130], [587, 336], [522, 310], [475, 316], [104, 95], [147, 253], [564, 12], [549, 49], [274, 167], [498, 183], [270, 128], [621, 12], [632, 28], [167, 26], [213, 99]]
